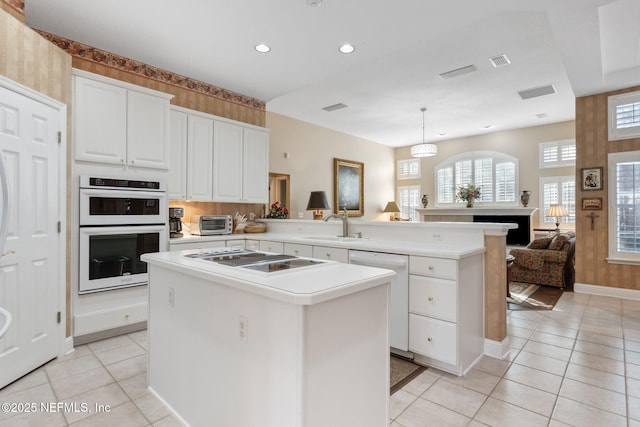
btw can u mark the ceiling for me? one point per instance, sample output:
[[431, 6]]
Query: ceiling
[[580, 47]]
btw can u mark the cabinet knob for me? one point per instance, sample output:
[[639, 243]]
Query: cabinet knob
[[126, 316], [132, 161], [429, 339], [328, 255], [430, 267], [430, 298], [295, 252], [121, 160]]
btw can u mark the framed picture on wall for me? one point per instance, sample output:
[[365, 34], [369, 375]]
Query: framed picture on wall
[[591, 178], [348, 182], [592, 203]]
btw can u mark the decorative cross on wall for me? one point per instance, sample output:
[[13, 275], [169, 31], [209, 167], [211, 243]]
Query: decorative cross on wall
[[592, 216]]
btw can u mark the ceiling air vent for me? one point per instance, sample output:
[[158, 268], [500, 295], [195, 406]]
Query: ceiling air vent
[[537, 91], [334, 107], [499, 61], [458, 72]]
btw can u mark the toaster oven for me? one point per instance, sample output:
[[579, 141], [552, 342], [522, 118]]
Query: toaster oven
[[209, 225]]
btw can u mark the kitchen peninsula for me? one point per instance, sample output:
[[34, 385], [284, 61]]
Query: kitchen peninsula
[[232, 346]]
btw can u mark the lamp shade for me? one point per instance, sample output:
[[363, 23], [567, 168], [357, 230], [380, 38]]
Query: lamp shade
[[317, 200], [392, 207], [424, 150], [557, 210]]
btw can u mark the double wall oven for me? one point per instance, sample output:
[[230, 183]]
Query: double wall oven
[[120, 219]]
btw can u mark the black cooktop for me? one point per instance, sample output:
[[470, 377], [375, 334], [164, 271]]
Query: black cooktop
[[253, 260]]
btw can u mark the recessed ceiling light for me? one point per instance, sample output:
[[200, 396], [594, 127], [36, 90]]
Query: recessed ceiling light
[[262, 48], [314, 3], [488, 127], [347, 48], [442, 134], [541, 115]]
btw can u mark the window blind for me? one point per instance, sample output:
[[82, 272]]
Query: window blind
[[444, 178], [408, 169], [409, 201], [628, 115], [558, 189], [557, 153], [628, 207]]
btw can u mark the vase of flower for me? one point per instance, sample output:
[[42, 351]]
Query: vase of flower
[[468, 194]]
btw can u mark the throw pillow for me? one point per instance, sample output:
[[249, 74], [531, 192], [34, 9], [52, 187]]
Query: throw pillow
[[558, 242], [541, 243]]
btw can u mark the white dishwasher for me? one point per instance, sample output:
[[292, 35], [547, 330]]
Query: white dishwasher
[[399, 304]]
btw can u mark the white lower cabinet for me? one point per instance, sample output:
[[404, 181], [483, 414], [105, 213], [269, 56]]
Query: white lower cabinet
[[271, 246], [331, 254], [446, 320], [298, 250], [196, 245], [433, 338]]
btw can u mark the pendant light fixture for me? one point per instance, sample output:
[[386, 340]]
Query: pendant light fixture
[[424, 149]]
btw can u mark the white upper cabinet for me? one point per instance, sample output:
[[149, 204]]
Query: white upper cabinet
[[199, 158], [99, 121], [119, 123], [255, 183], [213, 159], [241, 164], [177, 182], [227, 162], [147, 131]]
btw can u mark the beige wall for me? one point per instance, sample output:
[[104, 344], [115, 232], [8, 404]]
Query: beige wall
[[520, 143], [593, 148], [29, 59], [311, 150]]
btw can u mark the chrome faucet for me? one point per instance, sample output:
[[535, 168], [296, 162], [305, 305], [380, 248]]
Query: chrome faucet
[[345, 221]]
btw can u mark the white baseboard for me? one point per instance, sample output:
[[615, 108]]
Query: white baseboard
[[607, 291], [496, 349]]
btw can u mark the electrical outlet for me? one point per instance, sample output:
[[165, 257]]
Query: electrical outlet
[[243, 329], [300, 215], [172, 298], [437, 237]]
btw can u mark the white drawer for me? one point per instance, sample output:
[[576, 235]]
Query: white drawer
[[333, 254], [434, 267], [196, 245], [236, 244], [298, 250], [433, 297], [433, 338], [269, 246]]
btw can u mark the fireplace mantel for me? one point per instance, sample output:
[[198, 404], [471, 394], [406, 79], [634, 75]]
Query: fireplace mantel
[[494, 211], [521, 216]]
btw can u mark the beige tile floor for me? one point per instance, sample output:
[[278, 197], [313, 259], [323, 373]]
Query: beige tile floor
[[577, 365]]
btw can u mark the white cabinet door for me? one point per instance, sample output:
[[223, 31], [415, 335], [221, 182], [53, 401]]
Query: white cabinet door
[[177, 182], [147, 131], [199, 158], [227, 163], [99, 121], [255, 182]]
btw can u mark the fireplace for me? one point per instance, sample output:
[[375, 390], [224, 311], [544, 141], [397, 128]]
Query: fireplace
[[520, 236]]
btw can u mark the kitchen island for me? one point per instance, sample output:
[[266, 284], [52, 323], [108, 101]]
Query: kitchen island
[[230, 346]]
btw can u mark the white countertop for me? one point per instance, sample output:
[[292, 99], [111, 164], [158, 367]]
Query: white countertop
[[301, 286], [437, 250]]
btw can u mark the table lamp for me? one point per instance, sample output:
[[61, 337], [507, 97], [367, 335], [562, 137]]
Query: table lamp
[[392, 208], [317, 202], [558, 211]]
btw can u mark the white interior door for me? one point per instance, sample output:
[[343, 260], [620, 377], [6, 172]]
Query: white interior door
[[29, 267]]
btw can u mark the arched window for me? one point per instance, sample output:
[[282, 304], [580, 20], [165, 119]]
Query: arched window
[[495, 173]]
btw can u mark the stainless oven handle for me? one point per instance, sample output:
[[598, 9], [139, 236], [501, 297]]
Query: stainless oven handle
[[123, 194]]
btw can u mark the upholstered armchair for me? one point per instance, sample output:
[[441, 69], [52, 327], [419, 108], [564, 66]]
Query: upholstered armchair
[[546, 261]]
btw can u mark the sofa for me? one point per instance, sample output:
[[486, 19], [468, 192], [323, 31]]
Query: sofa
[[546, 261]]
